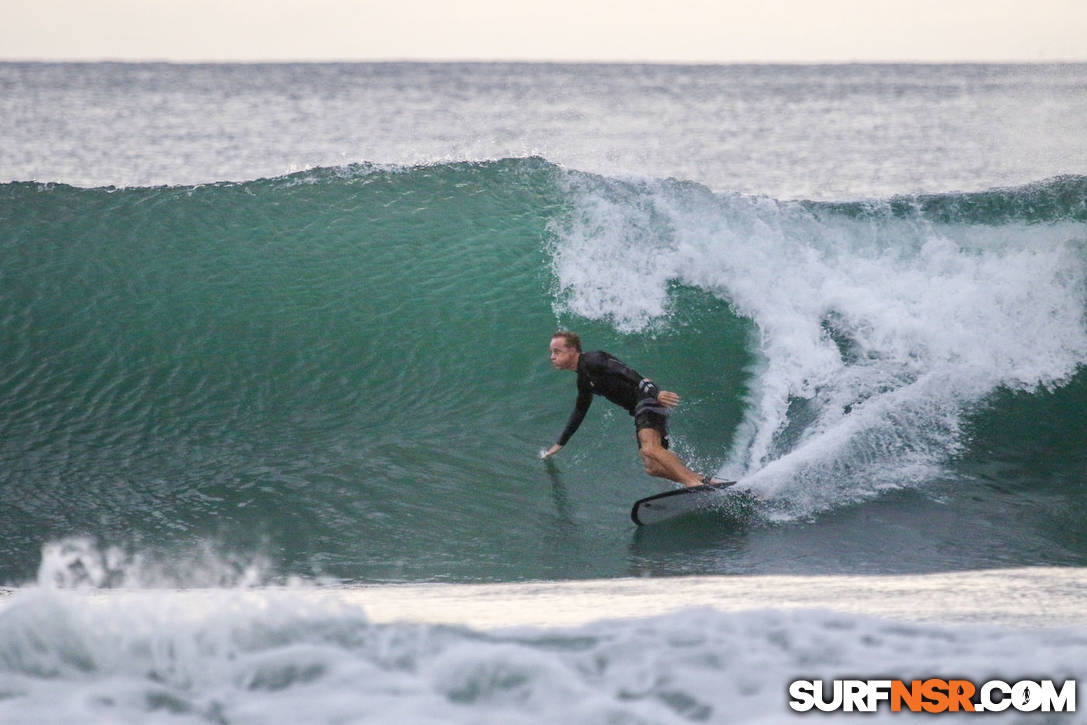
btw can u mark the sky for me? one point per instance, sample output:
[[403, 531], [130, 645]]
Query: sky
[[686, 31]]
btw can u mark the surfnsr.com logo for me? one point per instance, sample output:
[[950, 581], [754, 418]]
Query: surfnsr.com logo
[[932, 695]]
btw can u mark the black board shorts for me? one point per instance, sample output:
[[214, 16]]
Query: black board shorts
[[649, 413]]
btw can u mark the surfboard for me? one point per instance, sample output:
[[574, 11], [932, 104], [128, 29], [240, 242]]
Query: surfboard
[[694, 499]]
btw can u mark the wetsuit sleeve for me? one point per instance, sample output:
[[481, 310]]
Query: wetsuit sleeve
[[648, 388], [581, 407]]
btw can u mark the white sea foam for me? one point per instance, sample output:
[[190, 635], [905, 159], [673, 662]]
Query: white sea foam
[[703, 649], [306, 656], [877, 332], [79, 562]]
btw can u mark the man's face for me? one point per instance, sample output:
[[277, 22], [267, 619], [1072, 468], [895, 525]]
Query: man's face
[[563, 357]]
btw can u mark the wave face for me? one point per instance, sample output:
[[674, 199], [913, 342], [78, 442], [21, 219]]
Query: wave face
[[345, 369]]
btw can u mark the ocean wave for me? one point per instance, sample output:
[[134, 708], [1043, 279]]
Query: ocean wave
[[272, 364], [1062, 198], [308, 655]]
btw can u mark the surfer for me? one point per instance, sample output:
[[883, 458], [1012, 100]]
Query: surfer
[[602, 374]]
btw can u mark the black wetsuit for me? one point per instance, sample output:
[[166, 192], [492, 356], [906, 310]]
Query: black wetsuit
[[599, 373]]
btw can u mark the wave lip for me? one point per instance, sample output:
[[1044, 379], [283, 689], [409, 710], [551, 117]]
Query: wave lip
[[1061, 198]]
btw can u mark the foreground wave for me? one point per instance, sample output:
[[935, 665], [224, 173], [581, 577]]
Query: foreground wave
[[627, 650], [342, 369]]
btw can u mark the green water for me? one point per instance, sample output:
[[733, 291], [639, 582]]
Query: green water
[[345, 371]]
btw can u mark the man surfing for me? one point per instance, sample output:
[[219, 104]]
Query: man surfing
[[599, 373]]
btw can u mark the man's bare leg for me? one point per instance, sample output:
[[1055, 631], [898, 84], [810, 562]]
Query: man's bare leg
[[661, 462]]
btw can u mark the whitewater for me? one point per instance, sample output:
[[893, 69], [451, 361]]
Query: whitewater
[[273, 379]]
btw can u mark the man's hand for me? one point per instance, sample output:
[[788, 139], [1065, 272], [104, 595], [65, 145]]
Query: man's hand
[[550, 452], [668, 398]]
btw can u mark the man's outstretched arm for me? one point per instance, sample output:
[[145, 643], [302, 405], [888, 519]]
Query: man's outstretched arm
[[581, 407]]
